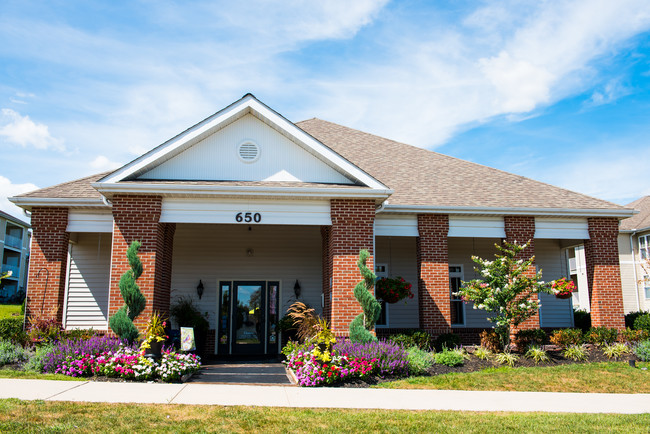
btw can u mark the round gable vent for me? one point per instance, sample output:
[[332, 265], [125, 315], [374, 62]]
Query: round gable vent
[[248, 151]]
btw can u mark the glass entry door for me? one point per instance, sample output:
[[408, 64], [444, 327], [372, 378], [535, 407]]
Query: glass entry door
[[248, 317]]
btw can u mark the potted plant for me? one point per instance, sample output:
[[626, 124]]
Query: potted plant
[[392, 290], [563, 288], [155, 336]]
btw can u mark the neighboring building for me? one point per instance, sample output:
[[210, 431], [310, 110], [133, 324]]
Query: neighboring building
[[14, 242], [634, 250], [261, 211]]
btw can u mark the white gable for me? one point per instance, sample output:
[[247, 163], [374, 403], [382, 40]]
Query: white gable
[[217, 158]]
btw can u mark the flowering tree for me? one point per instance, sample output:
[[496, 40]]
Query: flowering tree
[[506, 289]]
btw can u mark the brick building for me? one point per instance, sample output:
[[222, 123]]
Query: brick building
[[246, 212]]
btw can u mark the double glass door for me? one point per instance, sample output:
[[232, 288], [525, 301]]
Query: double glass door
[[248, 317]]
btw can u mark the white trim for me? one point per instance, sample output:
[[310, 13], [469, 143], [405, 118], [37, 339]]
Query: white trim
[[67, 286], [561, 228], [476, 227], [247, 104], [89, 221], [28, 202], [391, 225], [568, 212]]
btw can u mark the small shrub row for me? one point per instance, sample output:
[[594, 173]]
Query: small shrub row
[[412, 338], [11, 329]]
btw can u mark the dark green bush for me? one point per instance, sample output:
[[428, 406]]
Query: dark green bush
[[490, 341], [630, 336], [631, 317], [449, 358], [412, 338], [582, 319], [446, 340], [566, 337], [642, 322], [526, 338], [642, 351], [601, 336], [187, 315], [11, 329]]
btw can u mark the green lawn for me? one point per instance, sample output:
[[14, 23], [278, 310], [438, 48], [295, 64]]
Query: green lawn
[[10, 373], [612, 377], [39, 416], [10, 311]]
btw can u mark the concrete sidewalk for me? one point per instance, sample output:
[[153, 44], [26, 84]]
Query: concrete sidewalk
[[291, 396]]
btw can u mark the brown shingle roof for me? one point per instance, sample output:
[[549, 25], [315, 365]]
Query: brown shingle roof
[[642, 219], [77, 189], [422, 177]]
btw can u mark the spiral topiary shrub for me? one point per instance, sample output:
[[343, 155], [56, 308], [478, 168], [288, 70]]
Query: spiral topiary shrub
[[364, 322], [122, 322]]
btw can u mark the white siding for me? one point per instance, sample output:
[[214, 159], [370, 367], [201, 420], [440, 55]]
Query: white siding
[[633, 292], [392, 225], [89, 221], [461, 251], [88, 282], [561, 228], [476, 227], [551, 259], [400, 256], [219, 252], [216, 158], [224, 211]]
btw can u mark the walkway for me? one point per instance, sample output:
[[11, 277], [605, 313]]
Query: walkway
[[291, 396], [250, 372]]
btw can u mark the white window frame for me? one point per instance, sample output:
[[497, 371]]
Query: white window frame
[[646, 286], [644, 247], [459, 275], [381, 270]]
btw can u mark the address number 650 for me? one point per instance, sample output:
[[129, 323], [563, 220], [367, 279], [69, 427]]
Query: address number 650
[[247, 217]]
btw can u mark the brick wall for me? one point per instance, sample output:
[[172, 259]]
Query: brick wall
[[433, 272], [604, 274], [48, 263], [351, 231], [521, 229], [136, 218]]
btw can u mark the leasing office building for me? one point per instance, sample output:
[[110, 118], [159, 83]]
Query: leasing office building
[[260, 211]]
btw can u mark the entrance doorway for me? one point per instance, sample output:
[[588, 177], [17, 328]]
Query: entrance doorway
[[248, 317]]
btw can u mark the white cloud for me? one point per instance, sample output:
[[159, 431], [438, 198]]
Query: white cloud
[[23, 131], [610, 92], [103, 164], [7, 189]]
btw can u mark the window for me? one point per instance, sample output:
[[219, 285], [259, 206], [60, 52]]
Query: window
[[457, 304], [644, 247], [646, 286], [381, 270]]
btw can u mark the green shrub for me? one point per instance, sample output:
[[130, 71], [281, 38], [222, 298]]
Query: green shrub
[[537, 354], [642, 322], [11, 353], [446, 340], [449, 358], [631, 337], [616, 351], [412, 338], [642, 351], [419, 360], [577, 353], [631, 317], [582, 319], [601, 336], [526, 338], [507, 359], [566, 337], [490, 341], [37, 358], [482, 353], [11, 329]]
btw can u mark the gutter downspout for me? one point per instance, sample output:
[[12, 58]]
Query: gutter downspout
[[107, 202], [636, 277]]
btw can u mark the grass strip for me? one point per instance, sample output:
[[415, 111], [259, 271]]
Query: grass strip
[[40, 416], [612, 377], [26, 375], [9, 311]]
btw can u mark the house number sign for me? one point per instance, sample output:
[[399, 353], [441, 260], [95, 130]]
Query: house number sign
[[248, 217]]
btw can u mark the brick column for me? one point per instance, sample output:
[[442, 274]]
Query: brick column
[[48, 263], [434, 295], [521, 229], [604, 274], [351, 231], [136, 218]]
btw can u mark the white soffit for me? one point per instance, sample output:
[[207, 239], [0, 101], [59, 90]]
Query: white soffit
[[476, 227], [391, 225], [247, 212], [89, 221], [248, 104], [562, 228]]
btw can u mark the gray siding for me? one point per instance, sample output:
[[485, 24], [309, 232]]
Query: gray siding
[[550, 258]]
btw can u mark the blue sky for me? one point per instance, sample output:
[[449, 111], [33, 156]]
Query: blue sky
[[556, 91]]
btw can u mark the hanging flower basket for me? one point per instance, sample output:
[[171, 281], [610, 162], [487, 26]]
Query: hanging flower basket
[[392, 290], [563, 288]]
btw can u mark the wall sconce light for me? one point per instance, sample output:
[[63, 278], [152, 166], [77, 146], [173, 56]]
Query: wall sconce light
[[297, 289], [199, 289], [249, 252]]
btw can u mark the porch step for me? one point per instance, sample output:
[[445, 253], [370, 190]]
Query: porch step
[[242, 373]]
